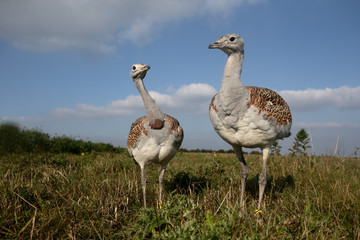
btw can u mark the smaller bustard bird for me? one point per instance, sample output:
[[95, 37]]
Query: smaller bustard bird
[[246, 116], [155, 137]]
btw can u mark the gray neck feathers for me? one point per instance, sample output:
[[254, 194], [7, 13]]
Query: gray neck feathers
[[232, 89], [152, 109]]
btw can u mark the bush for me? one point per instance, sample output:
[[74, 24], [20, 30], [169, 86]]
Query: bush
[[9, 137], [15, 140], [34, 141]]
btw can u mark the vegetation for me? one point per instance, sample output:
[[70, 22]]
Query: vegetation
[[276, 148], [16, 140], [301, 143], [97, 195]]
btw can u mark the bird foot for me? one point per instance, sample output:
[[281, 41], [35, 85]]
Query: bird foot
[[258, 212], [259, 217], [159, 204]]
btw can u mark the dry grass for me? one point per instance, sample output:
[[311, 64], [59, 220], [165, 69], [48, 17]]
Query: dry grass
[[98, 196]]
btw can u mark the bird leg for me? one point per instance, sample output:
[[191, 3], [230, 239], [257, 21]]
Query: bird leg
[[161, 181], [244, 174], [262, 178], [143, 183]]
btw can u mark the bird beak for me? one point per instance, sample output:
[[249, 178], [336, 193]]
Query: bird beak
[[214, 45], [147, 67]]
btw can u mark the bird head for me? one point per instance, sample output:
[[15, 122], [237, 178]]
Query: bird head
[[230, 43], [139, 70]]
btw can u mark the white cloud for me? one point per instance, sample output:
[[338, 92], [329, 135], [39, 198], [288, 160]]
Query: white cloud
[[193, 98], [311, 99], [97, 26], [127, 106]]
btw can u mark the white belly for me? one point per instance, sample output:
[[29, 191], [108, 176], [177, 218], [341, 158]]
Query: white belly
[[151, 151], [250, 130]]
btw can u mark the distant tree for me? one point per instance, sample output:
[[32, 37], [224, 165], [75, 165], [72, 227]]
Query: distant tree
[[356, 151], [301, 143], [255, 152], [232, 151], [276, 148]]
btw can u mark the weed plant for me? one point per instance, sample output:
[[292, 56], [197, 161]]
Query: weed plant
[[98, 196]]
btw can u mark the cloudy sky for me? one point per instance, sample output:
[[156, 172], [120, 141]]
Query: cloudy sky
[[64, 64]]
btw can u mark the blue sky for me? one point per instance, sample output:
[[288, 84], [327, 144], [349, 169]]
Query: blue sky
[[64, 65]]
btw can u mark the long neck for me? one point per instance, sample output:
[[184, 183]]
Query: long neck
[[231, 81], [152, 109], [232, 95]]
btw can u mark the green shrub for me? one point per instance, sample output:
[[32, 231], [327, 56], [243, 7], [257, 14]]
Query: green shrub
[[9, 137], [15, 140]]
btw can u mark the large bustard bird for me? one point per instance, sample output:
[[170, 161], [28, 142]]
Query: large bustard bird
[[155, 137], [246, 116]]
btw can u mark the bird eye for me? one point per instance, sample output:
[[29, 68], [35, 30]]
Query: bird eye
[[133, 68], [232, 39]]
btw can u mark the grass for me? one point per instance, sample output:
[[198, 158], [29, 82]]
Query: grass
[[98, 196]]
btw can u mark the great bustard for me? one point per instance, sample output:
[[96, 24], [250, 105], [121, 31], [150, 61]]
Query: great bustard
[[246, 116], [155, 137]]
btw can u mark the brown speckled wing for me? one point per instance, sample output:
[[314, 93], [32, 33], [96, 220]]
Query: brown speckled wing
[[136, 129], [175, 128], [271, 103]]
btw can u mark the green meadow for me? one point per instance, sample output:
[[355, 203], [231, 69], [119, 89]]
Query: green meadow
[[96, 194]]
